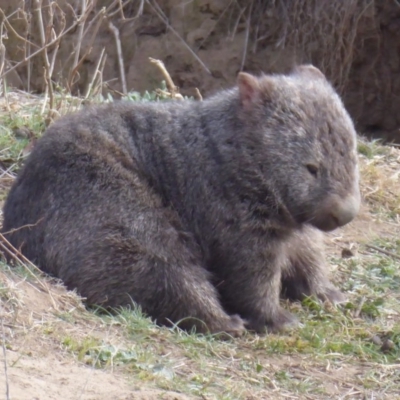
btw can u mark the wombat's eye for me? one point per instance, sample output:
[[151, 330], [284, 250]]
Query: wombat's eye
[[312, 169]]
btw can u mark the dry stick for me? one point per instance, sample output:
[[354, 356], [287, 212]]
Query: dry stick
[[2, 62], [200, 97], [43, 48], [383, 251], [102, 10], [96, 72], [47, 77], [81, 27], [246, 41], [86, 10], [357, 312], [115, 32], [121, 10], [28, 49], [10, 27], [100, 70], [100, 75], [117, 2], [5, 359], [164, 19], [170, 83], [232, 36], [19, 257], [89, 46]]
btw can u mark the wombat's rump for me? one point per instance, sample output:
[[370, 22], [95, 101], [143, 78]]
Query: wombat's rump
[[200, 212]]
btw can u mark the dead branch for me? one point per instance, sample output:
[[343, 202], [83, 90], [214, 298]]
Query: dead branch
[[2, 64], [97, 73], [4, 19], [43, 48], [383, 251], [18, 257], [246, 40], [115, 32], [199, 96], [170, 83], [74, 71], [81, 27], [5, 359]]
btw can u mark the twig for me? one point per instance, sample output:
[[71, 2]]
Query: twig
[[383, 251], [102, 14], [10, 27], [2, 62], [96, 73], [81, 27], [47, 74], [28, 18], [16, 255], [5, 359], [43, 48], [357, 312], [199, 96], [115, 32], [85, 12], [246, 40], [168, 80], [232, 36]]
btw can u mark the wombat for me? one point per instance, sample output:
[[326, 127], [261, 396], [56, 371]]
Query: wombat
[[201, 212]]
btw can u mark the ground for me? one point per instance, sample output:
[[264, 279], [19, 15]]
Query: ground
[[54, 348]]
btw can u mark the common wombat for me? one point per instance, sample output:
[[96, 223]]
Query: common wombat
[[196, 211]]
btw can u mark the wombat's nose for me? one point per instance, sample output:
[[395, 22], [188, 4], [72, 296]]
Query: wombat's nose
[[336, 212], [346, 210]]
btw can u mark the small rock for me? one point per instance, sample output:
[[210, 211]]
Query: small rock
[[347, 253], [387, 346], [22, 133], [376, 340]]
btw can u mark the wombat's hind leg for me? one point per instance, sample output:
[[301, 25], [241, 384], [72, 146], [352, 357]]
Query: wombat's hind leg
[[306, 272], [158, 272]]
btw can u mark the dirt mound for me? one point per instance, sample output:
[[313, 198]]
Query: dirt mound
[[37, 368], [48, 378]]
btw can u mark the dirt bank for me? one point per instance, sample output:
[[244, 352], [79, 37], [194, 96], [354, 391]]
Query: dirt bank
[[204, 44]]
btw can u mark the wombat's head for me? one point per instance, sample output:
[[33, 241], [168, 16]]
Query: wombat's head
[[308, 148]]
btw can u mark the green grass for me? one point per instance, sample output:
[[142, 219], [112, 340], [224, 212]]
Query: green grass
[[371, 148], [344, 336]]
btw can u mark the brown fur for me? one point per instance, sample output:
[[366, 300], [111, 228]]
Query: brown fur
[[196, 211]]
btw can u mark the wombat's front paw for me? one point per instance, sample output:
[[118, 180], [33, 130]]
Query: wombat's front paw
[[234, 327], [282, 321], [332, 295]]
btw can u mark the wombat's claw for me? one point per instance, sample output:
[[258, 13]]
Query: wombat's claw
[[283, 321], [332, 295], [233, 328]]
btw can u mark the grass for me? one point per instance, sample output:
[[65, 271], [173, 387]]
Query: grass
[[351, 351]]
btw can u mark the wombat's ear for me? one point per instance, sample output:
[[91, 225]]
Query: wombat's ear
[[251, 89], [310, 71]]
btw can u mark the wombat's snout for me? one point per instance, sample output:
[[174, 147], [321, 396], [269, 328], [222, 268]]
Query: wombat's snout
[[336, 212]]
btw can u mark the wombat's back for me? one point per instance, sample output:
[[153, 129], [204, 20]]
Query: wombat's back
[[79, 171]]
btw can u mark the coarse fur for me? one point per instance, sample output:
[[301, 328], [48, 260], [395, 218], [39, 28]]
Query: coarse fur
[[202, 213]]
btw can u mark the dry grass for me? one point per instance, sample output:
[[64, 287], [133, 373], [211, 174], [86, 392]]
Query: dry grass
[[348, 352]]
